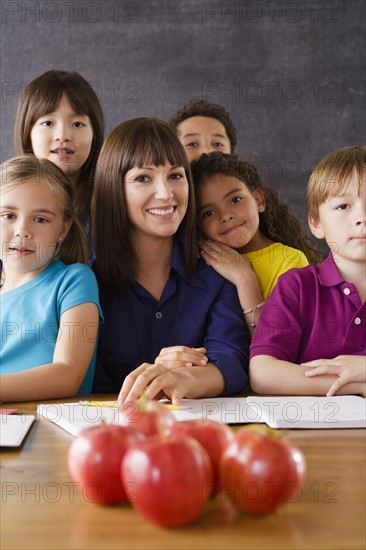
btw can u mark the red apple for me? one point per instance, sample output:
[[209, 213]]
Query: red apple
[[213, 436], [171, 479], [261, 471], [147, 416], [94, 461]]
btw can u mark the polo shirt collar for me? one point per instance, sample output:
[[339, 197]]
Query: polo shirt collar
[[328, 273]]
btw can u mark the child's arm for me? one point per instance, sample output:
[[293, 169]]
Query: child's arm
[[176, 384], [346, 368], [235, 268], [174, 357], [269, 375], [72, 356]]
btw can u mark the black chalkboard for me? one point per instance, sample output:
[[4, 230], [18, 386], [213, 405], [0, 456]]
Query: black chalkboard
[[291, 73]]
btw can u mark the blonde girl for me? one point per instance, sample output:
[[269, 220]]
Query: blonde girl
[[49, 304]]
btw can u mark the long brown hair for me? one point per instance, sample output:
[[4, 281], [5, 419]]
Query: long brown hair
[[135, 142], [277, 222], [19, 170], [42, 96]]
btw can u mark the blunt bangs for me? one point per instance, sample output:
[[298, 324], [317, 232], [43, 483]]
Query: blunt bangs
[[48, 100], [43, 95], [150, 143]]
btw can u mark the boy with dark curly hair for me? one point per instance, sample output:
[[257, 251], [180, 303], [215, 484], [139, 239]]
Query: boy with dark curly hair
[[203, 127]]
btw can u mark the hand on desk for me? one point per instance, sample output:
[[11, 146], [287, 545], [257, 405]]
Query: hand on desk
[[154, 381], [348, 368]]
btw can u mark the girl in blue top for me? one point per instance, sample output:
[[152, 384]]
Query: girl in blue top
[[173, 325], [49, 304]]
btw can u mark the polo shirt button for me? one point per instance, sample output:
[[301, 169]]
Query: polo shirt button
[[357, 321], [158, 315], [346, 291]]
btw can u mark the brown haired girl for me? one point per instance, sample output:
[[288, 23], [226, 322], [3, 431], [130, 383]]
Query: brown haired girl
[[59, 117]]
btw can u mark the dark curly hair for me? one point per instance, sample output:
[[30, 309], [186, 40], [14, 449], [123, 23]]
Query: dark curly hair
[[200, 107], [277, 222]]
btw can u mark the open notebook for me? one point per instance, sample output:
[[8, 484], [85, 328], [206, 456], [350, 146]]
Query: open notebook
[[14, 428], [277, 412], [347, 411]]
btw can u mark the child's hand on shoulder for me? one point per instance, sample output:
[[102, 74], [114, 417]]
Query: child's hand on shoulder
[[348, 368], [225, 260]]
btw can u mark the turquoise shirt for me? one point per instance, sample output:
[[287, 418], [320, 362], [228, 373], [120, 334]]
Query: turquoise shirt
[[30, 316]]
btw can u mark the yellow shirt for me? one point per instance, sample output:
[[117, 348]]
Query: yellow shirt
[[270, 262]]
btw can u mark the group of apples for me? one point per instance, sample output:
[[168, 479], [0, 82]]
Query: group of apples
[[168, 470]]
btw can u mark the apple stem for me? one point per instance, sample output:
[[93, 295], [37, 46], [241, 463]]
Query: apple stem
[[145, 404]]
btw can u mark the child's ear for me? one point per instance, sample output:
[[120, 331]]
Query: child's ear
[[65, 228], [259, 197], [316, 227]]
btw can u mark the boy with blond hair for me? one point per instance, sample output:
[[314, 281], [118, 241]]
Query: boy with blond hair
[[311, 336]]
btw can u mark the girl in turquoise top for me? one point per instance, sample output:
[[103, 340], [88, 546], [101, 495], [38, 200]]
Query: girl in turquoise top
[[49, 304]]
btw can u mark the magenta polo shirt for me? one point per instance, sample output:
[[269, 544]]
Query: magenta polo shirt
[[312, 313]]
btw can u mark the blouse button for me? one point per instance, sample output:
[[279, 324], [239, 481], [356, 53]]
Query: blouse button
[[158, 315], [357, 321], [346, 291]]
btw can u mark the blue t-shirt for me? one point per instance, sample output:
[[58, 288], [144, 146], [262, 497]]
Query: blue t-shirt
[[201, 311], [30, 316]]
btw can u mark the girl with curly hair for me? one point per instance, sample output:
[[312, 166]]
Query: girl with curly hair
[[251, 237]]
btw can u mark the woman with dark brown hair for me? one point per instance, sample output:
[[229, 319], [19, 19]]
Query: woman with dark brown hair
[[173, 326]]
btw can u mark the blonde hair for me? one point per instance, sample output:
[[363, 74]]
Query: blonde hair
[[331, 176], [19, 170]]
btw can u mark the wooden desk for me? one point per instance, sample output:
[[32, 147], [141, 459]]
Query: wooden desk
[[42, 509]]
